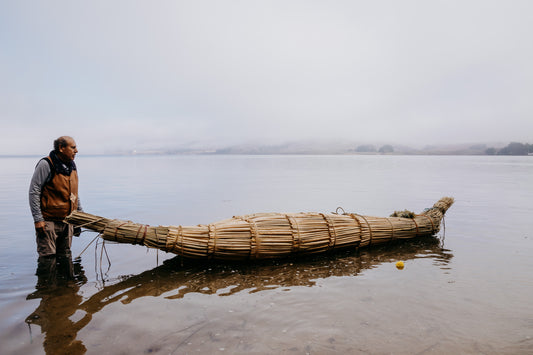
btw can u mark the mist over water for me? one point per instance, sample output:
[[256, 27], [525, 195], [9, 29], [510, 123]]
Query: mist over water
[[466, 291]]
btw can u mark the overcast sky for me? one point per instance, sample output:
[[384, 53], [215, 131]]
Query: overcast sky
[[149, 74]]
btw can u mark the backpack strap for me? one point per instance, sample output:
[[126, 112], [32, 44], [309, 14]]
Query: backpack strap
[[52, 169]]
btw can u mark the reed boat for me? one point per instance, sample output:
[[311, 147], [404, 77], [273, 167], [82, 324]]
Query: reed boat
[[269, 235]]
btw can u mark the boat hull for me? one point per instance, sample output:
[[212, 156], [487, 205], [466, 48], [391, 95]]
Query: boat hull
[[268, 235]]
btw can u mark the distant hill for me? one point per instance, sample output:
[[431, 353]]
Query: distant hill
[[351, 148], [348, 148]]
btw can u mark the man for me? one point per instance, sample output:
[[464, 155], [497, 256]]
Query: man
[[54, 195]]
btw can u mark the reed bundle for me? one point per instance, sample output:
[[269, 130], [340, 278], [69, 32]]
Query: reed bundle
[[268, 235]]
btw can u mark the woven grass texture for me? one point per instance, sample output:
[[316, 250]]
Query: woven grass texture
[[269, 235]]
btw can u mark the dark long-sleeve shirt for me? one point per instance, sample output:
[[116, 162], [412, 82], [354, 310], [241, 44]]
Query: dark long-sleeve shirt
[[41, 176]]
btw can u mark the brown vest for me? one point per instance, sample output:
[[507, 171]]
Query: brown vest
[[59, 195]]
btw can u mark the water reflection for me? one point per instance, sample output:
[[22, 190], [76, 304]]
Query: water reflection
[[58, 287], [58, 282], [226, 279]]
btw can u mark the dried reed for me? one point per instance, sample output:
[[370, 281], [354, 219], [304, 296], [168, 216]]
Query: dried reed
[[268, 235]]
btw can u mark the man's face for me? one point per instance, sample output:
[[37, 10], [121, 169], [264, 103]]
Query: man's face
[[69, 151]]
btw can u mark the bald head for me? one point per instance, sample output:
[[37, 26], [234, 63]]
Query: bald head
[[62, 142], [65, 147]]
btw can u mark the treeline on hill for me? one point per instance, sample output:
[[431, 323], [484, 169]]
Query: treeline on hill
[[513, 148], [369, 148]]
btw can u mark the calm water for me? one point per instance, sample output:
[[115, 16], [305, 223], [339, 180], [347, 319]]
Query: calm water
[[471, 294]]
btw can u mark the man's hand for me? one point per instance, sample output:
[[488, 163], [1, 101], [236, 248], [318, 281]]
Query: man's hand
[[39, 226]]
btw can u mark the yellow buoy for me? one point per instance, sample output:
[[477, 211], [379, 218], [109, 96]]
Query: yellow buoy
[[399, 265]]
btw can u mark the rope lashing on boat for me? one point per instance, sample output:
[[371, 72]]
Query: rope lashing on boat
[[180, 236], [157, 240], [295, 238], [254, 240], [433, 229], [416, 225], [340, 208], [144, 234], [369, 229], [392, 229], [353, 215], [331, 232], [90, 222], [116, 230], [137, 235], [211, 235]]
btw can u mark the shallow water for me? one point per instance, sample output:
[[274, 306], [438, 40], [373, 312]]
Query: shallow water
[[470, 294]]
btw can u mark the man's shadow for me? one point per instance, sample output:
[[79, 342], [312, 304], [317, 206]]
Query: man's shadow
[[58, 282]]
